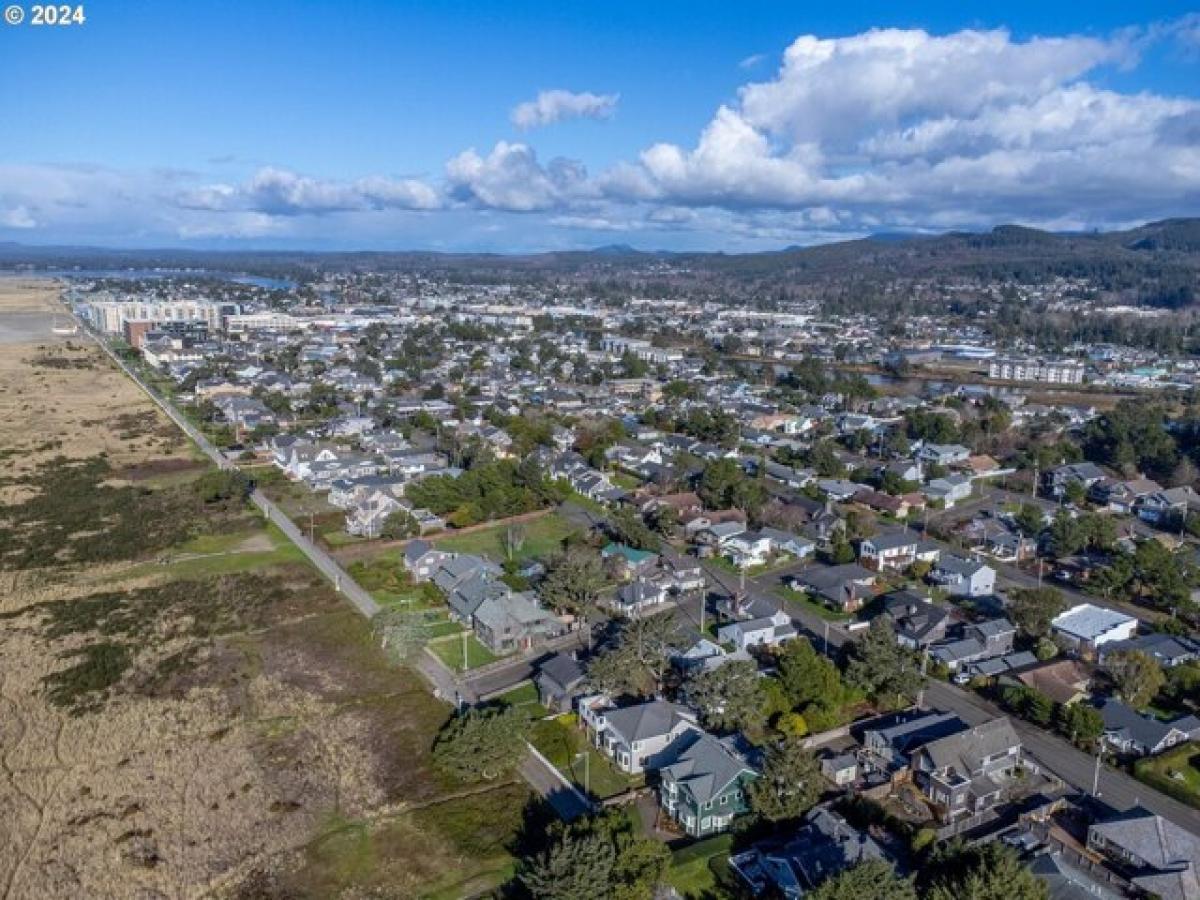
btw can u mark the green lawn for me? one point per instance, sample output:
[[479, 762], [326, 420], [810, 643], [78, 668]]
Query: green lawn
[[384, 577], [563, 743], [802, 599], [444, 629], [336, 538], [593, 506], [525, 698], [1176, 772], [454, 848], [221, 554], [450, 651], [543, 537], [692, 870]]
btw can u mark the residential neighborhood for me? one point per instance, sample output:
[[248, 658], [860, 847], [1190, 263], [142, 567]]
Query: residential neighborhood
[[659, 543]]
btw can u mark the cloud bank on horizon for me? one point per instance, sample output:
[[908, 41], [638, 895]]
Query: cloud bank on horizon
[[884, 130]]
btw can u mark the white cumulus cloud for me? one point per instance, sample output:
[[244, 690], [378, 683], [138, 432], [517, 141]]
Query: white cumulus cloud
[[511, 178], [557, 105], [281, 192], [974, 127]]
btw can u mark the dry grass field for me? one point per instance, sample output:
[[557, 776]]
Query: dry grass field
[[186, 709]]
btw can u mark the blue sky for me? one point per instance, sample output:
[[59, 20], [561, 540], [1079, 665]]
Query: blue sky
[[684, 125]]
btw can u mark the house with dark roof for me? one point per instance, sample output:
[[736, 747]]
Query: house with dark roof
[[1084, 474], [916, 619], [422, 559], [890, 742], [824, 846], [974, 642], [1128, 731], [559, 680], [705, 787], [637, 597], [1168, 650], [1066, 881], [1154, 853], [967, 773], [846, 587]]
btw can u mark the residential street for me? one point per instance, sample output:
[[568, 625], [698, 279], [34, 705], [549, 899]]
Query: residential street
[[540, 776], [1069, 763]]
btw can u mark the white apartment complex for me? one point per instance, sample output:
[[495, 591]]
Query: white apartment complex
[[110, 315], [1065, 371], [263, 321], [642, 349]]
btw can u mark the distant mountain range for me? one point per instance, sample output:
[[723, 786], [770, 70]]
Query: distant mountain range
[[1157, 250]]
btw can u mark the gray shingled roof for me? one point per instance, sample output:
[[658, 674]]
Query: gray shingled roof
[[646, 720], [562, 669], [706, 768], [1163, 845], [1147, 731], [966, 751]]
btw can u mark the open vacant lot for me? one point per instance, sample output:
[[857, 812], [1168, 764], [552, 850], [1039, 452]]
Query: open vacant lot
[[186, 709]]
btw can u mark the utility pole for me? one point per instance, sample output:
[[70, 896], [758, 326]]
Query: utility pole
[[703, 598], [464, 651], [826, 637], [1096, 774], [924, 667]]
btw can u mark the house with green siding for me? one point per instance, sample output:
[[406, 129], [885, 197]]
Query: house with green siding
[[706, 786]]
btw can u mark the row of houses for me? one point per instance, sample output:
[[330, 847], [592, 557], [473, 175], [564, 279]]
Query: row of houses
[[504, 620]]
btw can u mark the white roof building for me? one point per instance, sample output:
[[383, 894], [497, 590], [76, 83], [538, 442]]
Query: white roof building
[[1088, 626]]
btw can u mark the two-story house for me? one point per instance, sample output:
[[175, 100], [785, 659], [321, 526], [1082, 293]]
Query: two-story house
[[705, 787], [1158, 856], [763, 631], [967, 773], [641, 737], [963, 577], [890, 551], [916, 619]]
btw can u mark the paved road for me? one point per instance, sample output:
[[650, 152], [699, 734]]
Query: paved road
[[1073, 766], [566, 800], [324, 563], [499, 677]]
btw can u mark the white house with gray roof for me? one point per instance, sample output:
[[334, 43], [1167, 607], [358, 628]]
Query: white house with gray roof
[[641, 737], [963, 577], [1085, 627]]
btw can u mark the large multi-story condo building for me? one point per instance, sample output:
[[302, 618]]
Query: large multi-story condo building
[[1066, 371], [642, 349], [110, 315]]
